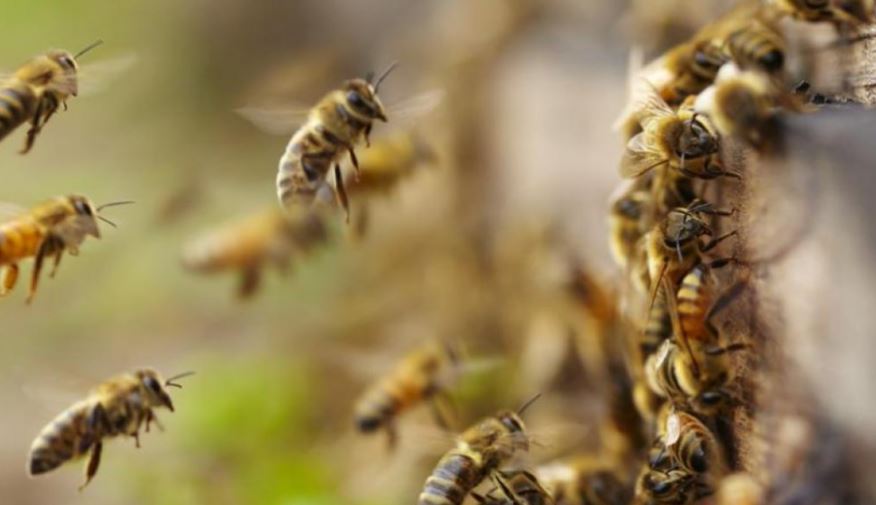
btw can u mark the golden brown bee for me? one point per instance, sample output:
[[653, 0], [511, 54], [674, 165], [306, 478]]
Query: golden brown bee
[[517, 487], [740, 104], [421, 376], [36, 90], [679, 140], [253, 242], [839, 12], [626, 222], [693, 447], [757, 44], [479, 452], [334, 126], [119, 406], [665, 487], [387, 161], [585, 480], [47, 230]]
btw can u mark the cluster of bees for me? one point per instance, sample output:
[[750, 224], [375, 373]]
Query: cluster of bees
[[725, 84]]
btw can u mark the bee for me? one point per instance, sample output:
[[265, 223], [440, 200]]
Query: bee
[[757, 45], [585, 480], [692, 446], [696, 303], [119, 406], [626, 217], [47, 230], [479, 452], [36, 90], [739, 489], [680, 140], [517, 487], [251, 243], [389, 160], [838, 12], [421, 376], [665, 487], [334, 126]]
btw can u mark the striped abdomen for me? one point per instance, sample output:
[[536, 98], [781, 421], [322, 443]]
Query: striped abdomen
[[660, 372], [388, 399], [304, 166], [693, 304], [68, 436], [658, 327], [453, 478], [18, 103], [757, 45], [20, 239]]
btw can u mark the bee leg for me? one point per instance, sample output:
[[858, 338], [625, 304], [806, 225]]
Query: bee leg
[[44, 249], [354, 160], [250, 280], [717, 240], [34, 130], [391, 436], [342, 192], [57, 263], [152, 418], [10, 277], [368, 136], [93, 464]]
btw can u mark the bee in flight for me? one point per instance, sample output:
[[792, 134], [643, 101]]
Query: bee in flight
[[479, 452], [255, 241], [421, 376], [119, 406], [47, 231], [36, 90]]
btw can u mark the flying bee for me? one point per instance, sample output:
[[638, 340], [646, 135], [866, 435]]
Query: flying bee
[[682, 141], [389, 160], [585, 480], [255, 241], [35, 91], [47, 230], [480, 451], [517, 487], [119, 406], [421, 376], [692, 446]]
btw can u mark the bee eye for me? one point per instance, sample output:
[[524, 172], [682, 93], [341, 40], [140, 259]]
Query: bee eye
[[816, 4], [67, 62], [358, 102], [82, 208], [773, 60], [661, 487], [152, 384]]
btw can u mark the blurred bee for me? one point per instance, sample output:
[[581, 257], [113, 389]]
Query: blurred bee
[[119, 406], [682, 140], [47, 230], [739, 489], [585, 480], [626, 221], [250, 243], [421, 376], [838, 12], [480, 451], [665, 487], [517, 487], [36, 90], [692, 446], [758, 45], [333, 127]]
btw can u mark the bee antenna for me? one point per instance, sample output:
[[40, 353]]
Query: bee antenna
[[89, 47], [169, 382], [113, 204], [385, 73], [107, 221], [527, 404]]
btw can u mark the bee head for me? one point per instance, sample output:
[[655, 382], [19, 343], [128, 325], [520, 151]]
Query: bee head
[[682, 226], [154, 388], [696, 140], [84, 210], [515, 430], [362, 97], [664, 487]]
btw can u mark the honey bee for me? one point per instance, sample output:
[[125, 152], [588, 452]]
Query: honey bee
[[36, 90], [119, 406], [757, 44], [741, 104], [389, 160], [692, 446], [739, 489], [839, 12], [251, 243], [47, 230], [585, 480], [517, 487], [682, 140], [421, 376], [665, 487], [479, 452], [333, 127], [626, 217]]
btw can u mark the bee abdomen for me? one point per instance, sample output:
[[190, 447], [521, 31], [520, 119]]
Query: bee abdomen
[[451, 481], [65, 438], [16, 106]]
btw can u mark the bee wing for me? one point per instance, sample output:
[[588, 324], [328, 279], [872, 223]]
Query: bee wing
[[276, 120], [416, 106], [639, 157], [95, 77], [9, 211]]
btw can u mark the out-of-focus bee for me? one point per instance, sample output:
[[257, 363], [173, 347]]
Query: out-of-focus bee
[[739, 489], [517, 487], [740, 104], [757, 44], [251, 243], [665, 487], [333, 127], [693, 447], [480, 451], [628, 212], [119, 406], [388, 161], [36, 90], [421, 376], [839, 12], [585, 480], [680, 140], [47, 230]]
